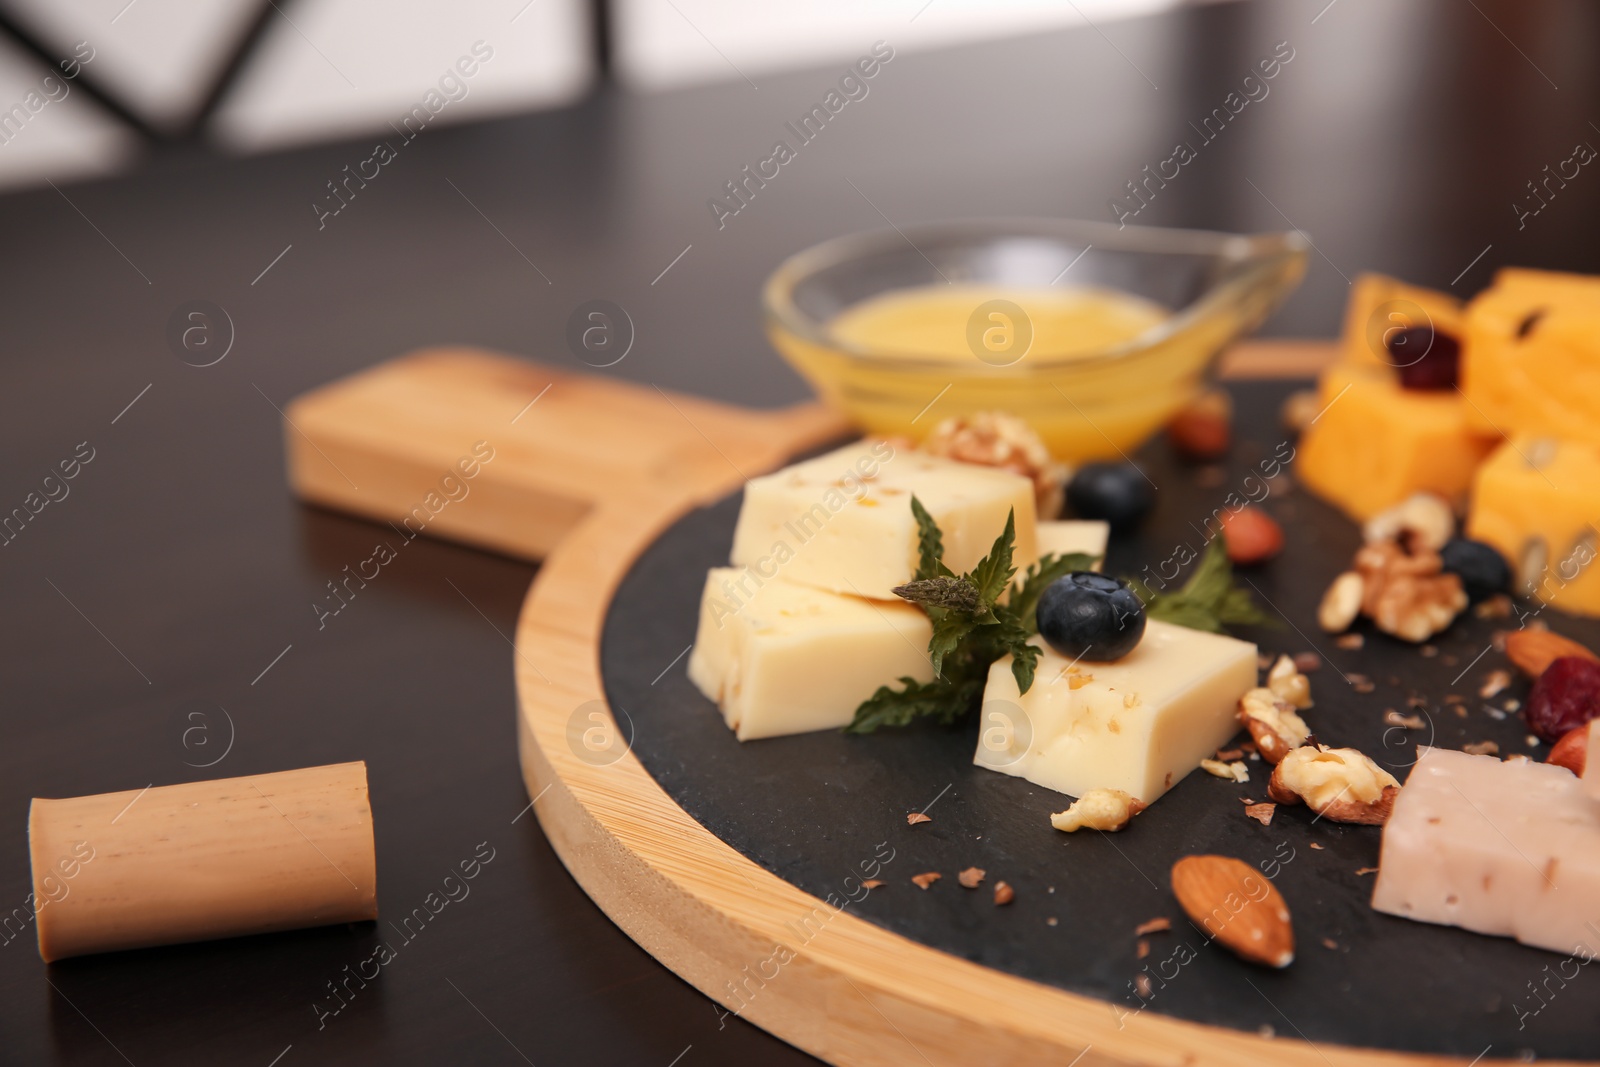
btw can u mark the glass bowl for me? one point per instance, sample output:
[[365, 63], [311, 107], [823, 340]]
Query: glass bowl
[[1090, 403]]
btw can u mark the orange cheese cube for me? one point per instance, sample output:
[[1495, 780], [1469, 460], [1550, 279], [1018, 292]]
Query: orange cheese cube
[[1379, 305], [1537, 500], [1530, 361], [1374, 443]]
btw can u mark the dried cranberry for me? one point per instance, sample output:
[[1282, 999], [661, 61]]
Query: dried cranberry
[[1426, 358], [1566, 696]]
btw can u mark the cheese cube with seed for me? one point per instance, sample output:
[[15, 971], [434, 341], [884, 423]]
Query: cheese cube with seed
[[1509, 848], [1139, 724], [782, 658], [843, 521]]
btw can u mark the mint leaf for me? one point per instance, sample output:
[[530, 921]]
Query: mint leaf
[[940, 699], [930, 545], [992, 575], [1209, 600], [949, 631]]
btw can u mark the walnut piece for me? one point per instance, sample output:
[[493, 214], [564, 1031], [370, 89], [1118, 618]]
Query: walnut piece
[[1235, 771], [1339, 784], [1288, 684], [1273, 724], [1407, 594], [996, 439], [1098, 809]]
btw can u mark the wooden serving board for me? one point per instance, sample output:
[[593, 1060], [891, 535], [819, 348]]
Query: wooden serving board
[[596, 475]]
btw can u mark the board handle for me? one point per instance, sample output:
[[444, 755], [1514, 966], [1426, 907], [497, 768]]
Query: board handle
[[511, 455]]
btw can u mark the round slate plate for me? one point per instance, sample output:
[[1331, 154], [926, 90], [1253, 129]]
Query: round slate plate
[[812, 808]]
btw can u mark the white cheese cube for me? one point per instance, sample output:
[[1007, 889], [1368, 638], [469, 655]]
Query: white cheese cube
[[784, 658], [1067, 536], [843, 521], [1509, 848], [1139, 724]]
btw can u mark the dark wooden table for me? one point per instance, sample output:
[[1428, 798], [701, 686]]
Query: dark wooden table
[[165, 606]]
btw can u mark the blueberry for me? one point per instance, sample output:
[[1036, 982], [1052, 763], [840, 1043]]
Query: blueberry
[[1114, 492], [1426, 358], [1084, 615], [1483, 570]]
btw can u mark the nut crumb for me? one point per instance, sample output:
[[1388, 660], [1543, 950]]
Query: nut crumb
[[1051, 921], [1236, 771], [1003, 894], [1494, 683], [1513, 705], [1366, 870], [1429, 651], [1351, 641], [1098, 809], [916, 817], [1143, 950], [971, 878], [925, 879], [1496, 607], [1160, 924], [1141, 984], [1261, 813], [1481, 748], [1329, 943], [1316, 846], [1409, 722], [1226, 754], [873, 883], [1306, 662], [1360, 682]]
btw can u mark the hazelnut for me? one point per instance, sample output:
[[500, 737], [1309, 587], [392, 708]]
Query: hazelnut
[[1424, 518], [1251, 535], [1203, 429]]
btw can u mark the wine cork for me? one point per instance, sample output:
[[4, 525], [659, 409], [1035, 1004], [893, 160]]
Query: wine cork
[[203, 860]]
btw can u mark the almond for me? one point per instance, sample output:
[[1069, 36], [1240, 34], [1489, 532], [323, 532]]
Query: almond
[[1003, 894], [1533, 650], [1572, 751], [1203, 429], [1235, 904]]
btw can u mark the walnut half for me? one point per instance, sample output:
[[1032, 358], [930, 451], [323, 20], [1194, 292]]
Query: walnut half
[[996, 439], [1407, 594], [1339, 784]]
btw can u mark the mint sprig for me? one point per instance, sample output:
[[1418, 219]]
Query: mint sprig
[[977, 617], [983, 615]]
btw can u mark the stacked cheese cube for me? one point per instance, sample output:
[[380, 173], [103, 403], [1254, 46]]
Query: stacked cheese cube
[[805, 625], [1520, 438]]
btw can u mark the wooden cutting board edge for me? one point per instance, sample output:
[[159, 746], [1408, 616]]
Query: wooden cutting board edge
[[813, 974]]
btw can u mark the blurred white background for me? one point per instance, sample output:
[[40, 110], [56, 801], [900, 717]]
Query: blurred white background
[[255, 75]]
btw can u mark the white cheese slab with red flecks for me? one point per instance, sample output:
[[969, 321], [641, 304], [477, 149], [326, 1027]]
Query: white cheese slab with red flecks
[[1510, 848]]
